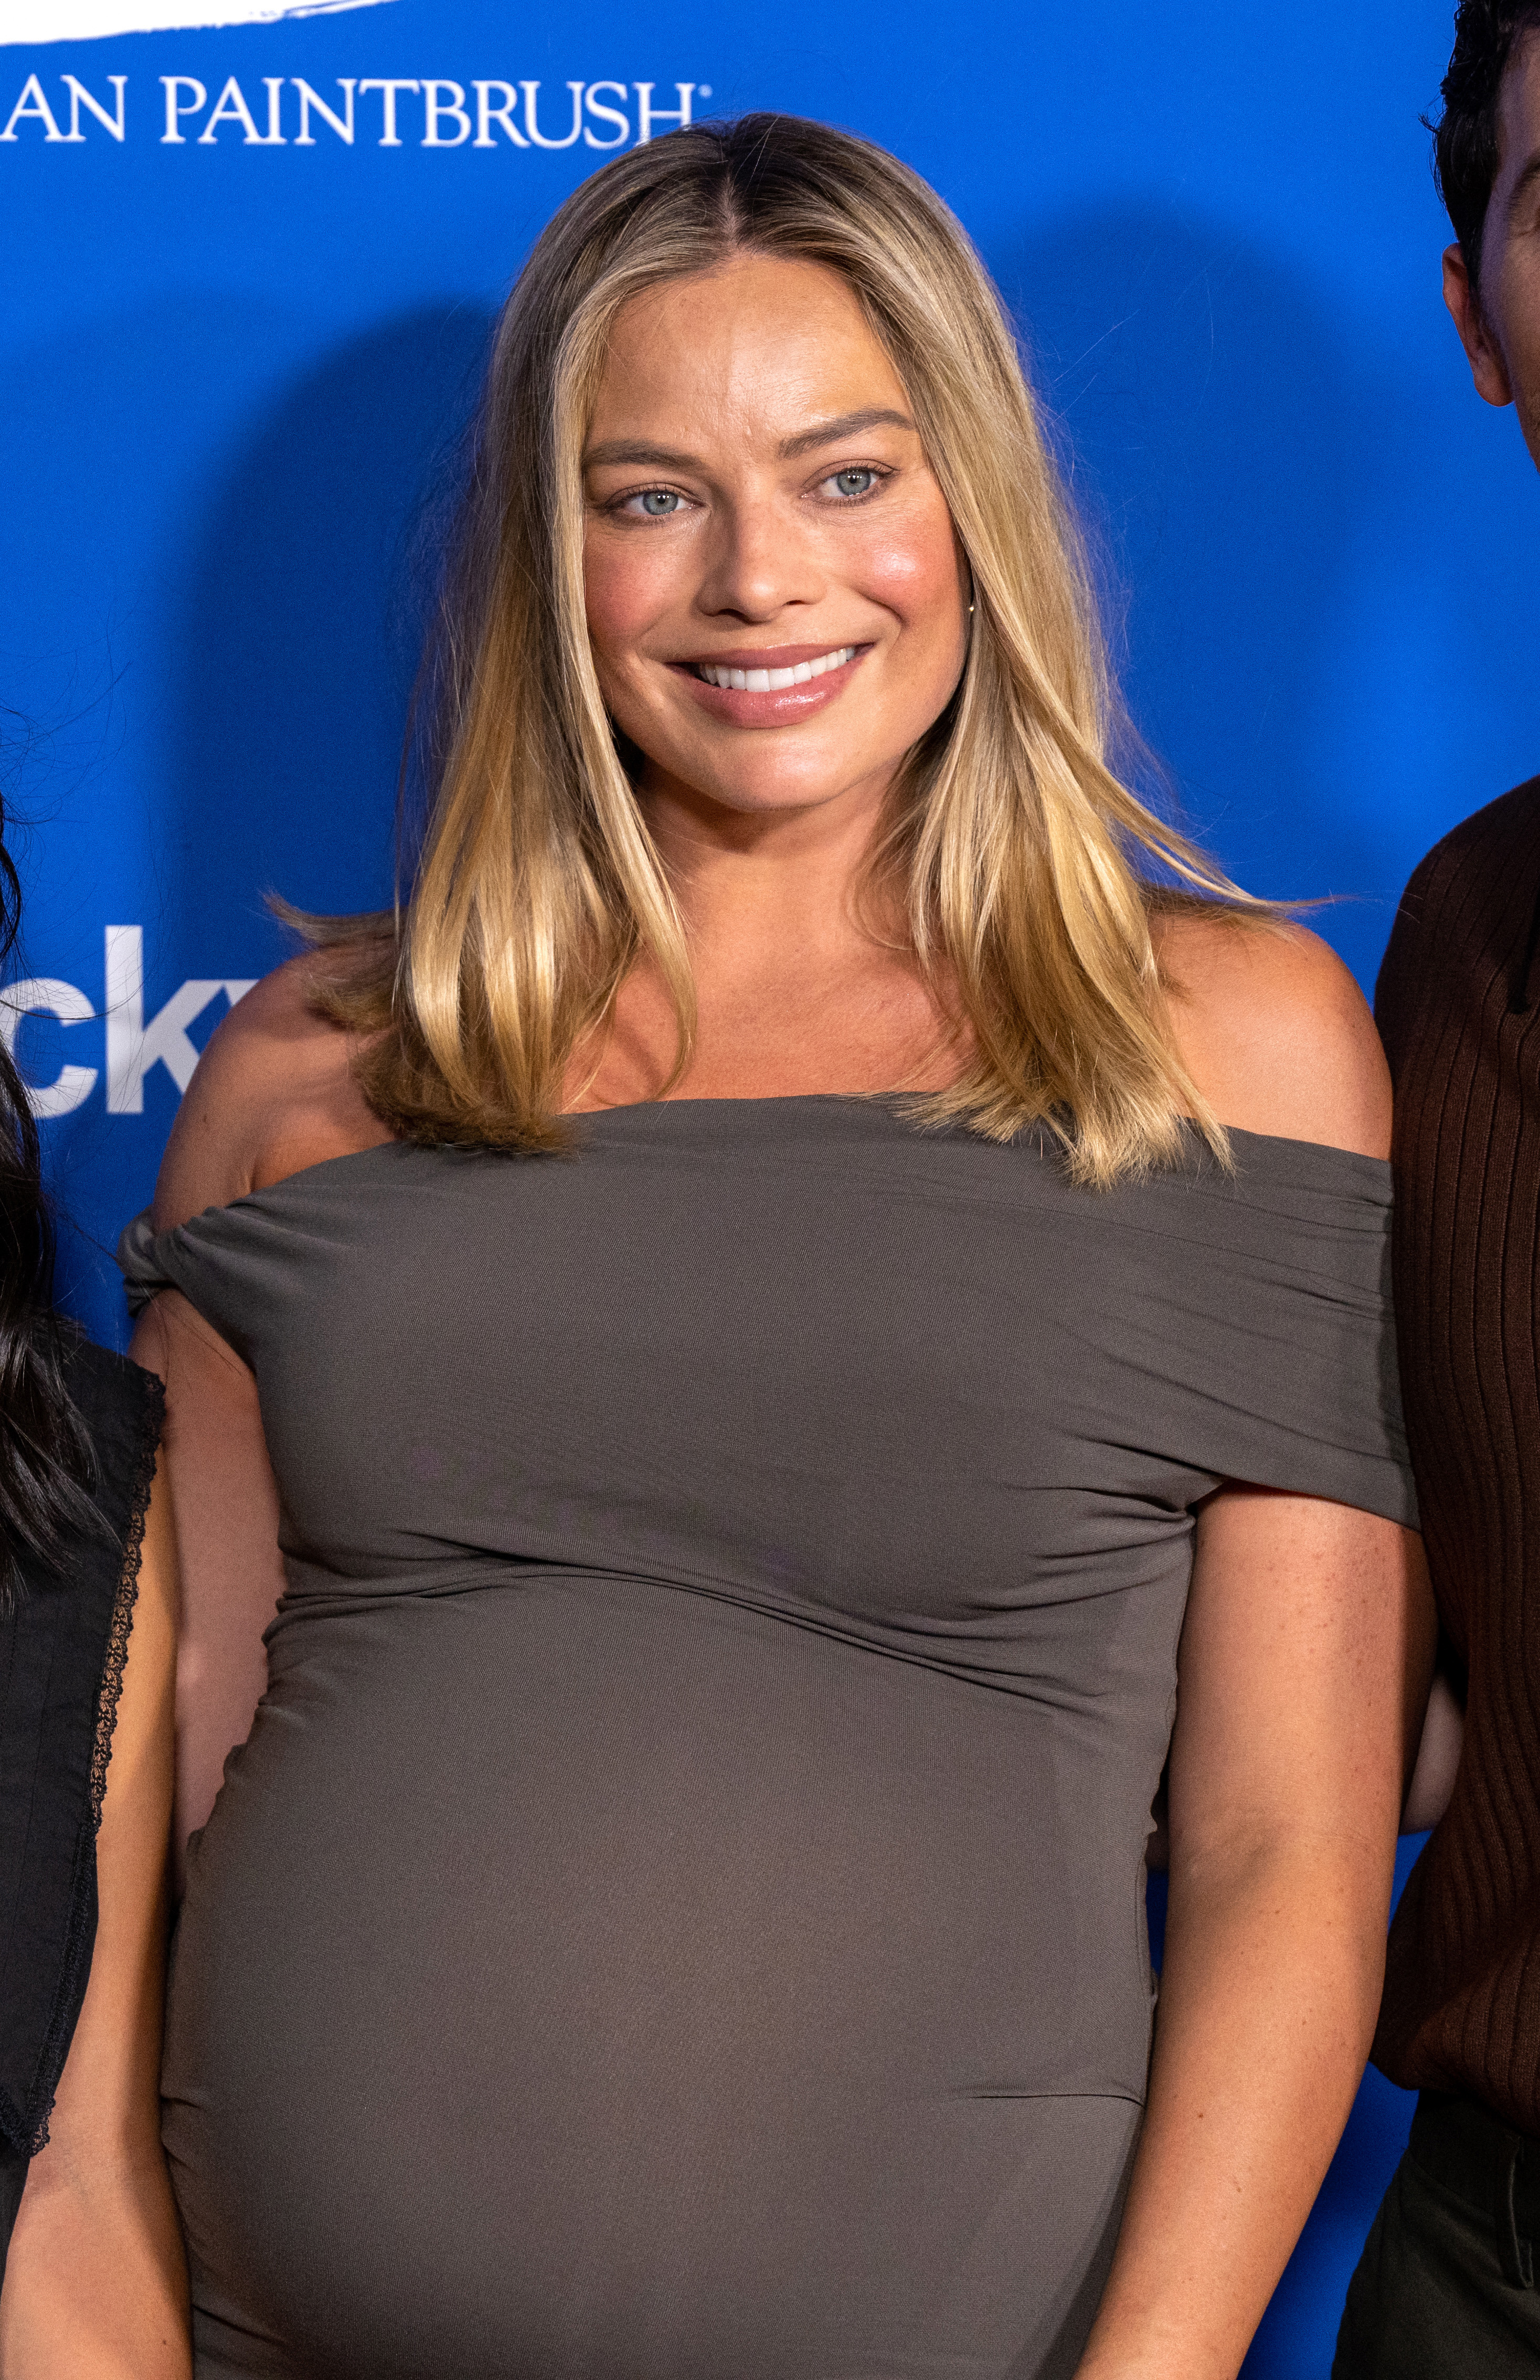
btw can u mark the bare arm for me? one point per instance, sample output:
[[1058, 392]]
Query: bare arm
[[1305, 1622], [226, 1544], [1304, 1669], [1435, 1752], [95, 2282], [1277, 1034]]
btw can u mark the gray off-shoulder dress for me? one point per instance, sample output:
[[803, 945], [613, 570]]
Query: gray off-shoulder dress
[[679, 1914]]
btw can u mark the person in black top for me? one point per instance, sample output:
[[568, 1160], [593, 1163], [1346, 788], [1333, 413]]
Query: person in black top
[[94, 2277]]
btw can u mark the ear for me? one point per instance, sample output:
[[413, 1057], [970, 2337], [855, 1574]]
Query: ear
[[1487, 368]]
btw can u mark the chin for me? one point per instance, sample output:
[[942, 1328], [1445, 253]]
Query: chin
[[759, 800], [755, 784]]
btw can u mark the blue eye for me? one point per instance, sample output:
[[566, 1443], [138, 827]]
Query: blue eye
[[859, 481], [659, 503]]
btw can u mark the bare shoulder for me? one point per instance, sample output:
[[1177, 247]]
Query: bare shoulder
[[273, 1092], [1273, 1030]]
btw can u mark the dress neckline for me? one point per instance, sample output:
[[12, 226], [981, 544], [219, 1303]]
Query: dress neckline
[[1260, 1153]]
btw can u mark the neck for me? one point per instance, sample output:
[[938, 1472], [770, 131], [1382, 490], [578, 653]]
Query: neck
[[795, 989], [758, 884]]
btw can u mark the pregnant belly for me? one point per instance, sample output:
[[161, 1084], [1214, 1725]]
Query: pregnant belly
[[582, 1977]]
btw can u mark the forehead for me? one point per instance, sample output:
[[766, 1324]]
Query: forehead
[[768, 341]]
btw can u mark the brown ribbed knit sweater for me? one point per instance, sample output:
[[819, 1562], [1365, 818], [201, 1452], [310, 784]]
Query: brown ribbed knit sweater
[[1459, 1007]]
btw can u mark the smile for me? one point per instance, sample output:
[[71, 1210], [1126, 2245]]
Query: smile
[[773, 681]]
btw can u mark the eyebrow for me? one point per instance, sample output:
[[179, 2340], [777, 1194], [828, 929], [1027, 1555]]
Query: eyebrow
[[826, 433], [849, 425], [651, 458]]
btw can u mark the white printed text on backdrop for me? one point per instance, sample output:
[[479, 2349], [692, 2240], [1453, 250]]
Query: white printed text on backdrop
[[386, 112], [133, 1046]]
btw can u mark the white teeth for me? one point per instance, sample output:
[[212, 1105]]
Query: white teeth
[[773, 681]]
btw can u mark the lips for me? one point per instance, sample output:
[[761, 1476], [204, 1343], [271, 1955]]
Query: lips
[[770, 688]]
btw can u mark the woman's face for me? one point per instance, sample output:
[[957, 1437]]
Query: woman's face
[[775, 594]]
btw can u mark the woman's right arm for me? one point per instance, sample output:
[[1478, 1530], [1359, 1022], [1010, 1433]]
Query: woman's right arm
[[213, 1451], [273, 1094], [227, 1509]]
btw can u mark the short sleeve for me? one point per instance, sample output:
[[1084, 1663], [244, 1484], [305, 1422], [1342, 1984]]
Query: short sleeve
[[216, 1260], [1267, 1316], [139, 1262]]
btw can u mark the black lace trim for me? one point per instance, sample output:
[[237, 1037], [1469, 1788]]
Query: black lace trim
[[127, 1595], [83, 1900]]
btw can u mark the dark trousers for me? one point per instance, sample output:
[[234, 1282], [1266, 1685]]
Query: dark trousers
[[1446, 2286]]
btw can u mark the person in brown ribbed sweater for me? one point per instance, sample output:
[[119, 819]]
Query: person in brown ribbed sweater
[[1446, 2289]]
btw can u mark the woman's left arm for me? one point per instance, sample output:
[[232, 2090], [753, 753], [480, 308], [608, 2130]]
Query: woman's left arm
[[95, 2284], [1303, 1669]]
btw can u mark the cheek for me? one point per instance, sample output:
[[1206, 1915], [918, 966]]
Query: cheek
[[910, 566], [627, 584]]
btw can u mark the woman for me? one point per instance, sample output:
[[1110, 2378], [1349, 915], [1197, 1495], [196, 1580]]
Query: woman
[[751, 1312], [94, 2277]]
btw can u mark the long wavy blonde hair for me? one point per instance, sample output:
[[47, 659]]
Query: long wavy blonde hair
[[1025, 870]]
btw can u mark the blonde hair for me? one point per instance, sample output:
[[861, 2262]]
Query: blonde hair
[[1019, 860]]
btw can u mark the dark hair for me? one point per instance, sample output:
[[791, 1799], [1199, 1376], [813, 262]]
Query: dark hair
[[1465, 138], [44, 1453]]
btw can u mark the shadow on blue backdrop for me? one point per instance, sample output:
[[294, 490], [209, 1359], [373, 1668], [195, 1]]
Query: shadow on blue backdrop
[[1217, 436], [296, 627], [304, 613]]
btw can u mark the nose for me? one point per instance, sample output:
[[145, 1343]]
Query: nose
[[760, 562]]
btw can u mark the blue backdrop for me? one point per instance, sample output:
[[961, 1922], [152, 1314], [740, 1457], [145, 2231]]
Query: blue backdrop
[[247, 288]]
